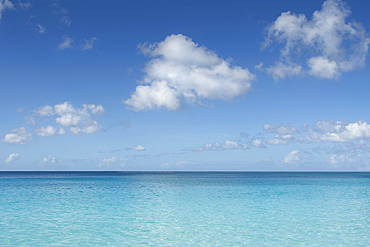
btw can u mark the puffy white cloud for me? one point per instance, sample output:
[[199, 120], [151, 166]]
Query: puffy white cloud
[[17, 135], [50, 159], [181, 70], [61, 131], [65, 43], [5, 4], [339, 131], [112, 161], [95, 109], [281, 70], [46, 131], [332, 45], [258, 143], [137, 148], [78, 120], [12, 157], [89, 43], [90, 126], [41, 29], [292, 157], [44, 110], [322, 131], [296, 157]]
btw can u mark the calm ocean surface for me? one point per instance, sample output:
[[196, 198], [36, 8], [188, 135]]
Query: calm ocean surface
[[184, 209]]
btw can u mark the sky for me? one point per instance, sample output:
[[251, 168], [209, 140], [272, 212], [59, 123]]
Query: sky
[[184, 85]]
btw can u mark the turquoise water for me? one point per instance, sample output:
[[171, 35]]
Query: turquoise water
[[184, 209]]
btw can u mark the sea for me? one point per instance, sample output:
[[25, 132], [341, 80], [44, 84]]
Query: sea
[[184, 209]]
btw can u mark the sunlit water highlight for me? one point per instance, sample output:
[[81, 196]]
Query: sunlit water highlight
[[182, 209]]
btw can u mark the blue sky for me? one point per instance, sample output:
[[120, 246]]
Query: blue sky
[[185, 85]]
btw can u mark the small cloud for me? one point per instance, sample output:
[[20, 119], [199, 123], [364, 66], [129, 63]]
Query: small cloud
[[46, 131], [41, 29], [112, 162], [19, 110], [66, 43], [62, 13], [89, 43], [226, 145], [12, 157], [259, 66], [24, 6], [137, 148], [17, 136], [61, 131], [296, 157], [258, 143], [50, 160]]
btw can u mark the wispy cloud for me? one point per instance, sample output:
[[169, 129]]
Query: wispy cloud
[[88, 44], [41, 29], [65, 43], [5, 4], [62, 13], [24, 6]]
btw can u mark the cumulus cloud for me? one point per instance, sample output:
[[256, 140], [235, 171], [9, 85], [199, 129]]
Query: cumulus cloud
[[44, 110], [46, 131], [137, 148], [322, 131], [89, 43], [339, 131], [12, 157], [258, 143], [65, 43], [112, 162], [50, 159], [41, 29], [182, 71], [331, 44], [5, 4], [17, 136], [61, 131], [296, 157], [78, 120]]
